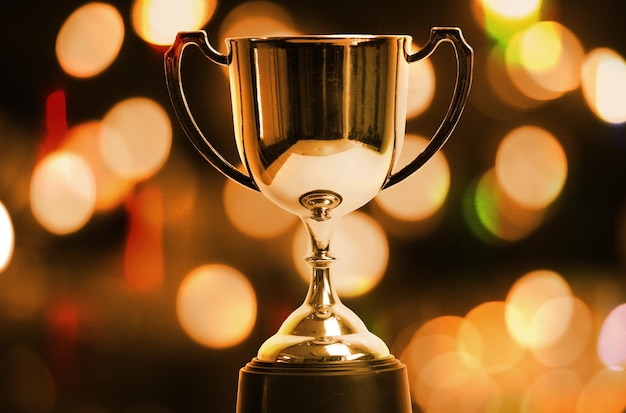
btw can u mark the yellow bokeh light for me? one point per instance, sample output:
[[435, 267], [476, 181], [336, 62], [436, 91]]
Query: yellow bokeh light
[[158, 21], [111, 189], [540, 47], [62, 192], [7, 238], [135, 138], [544, 61], [531, 166], [612, 339], [552, 55], [604, 84], [253, 214], [423, 193], [90, 39], [362, 249], [539, 309], [421, 90], [501, 19], [216, 306], [507, 8]]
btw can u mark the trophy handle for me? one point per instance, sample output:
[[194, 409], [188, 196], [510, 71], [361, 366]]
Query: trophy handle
[[465, 63], [173, 60]]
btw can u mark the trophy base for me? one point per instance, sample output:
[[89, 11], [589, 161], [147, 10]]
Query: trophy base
[[371, 386]]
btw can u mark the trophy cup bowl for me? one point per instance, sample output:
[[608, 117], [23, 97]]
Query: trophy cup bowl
[[319, 122]]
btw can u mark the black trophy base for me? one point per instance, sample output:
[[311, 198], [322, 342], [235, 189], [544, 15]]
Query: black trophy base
[[376, 386]]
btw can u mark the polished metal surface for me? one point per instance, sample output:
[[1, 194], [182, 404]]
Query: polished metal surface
[[319, 114], [319, 122]]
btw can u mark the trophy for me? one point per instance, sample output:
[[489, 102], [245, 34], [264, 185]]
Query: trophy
[[319, 122]]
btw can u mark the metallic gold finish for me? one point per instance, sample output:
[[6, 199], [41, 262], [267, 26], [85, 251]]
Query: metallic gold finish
[[320, 203], [319, 122]]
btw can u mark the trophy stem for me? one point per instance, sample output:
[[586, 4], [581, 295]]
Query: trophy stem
[[321, 293]]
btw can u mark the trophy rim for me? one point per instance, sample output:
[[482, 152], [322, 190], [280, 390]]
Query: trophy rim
[[305, 38]]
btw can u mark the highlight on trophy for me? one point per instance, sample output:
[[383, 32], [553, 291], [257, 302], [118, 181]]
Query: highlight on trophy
[[319, 123]]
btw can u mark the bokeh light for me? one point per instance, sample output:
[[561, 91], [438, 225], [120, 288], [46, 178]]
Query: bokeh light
[[253, 214], [539, 309], [496, 216], [433, 338], [484, 335], [111, 188], [423, 193], [158, 21], [612, 339], [501, 19], [555, 391], [575, 338], [456, 373], [432, 357], [257, 18], [604, 84], [421, 90], [604, 392], [90, 39], [512, 9], [531, 166], [544, 60], [501, 84], [530, 353], [216, 306], [362, 251], [135, 138], [7, 238], [62, 192]]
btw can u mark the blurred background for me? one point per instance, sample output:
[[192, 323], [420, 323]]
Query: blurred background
[[134, 278]]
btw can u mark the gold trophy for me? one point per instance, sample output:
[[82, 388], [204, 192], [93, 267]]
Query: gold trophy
[[319, 122]]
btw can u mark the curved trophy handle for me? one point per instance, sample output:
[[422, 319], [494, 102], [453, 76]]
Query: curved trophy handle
[[465, 63], [173, 59]]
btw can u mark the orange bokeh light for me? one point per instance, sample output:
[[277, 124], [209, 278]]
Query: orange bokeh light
[[253, 214], [423, 193], [539, 309], [216, 306], [135, 138], [531, 166], [90, 39], [62, 192], [111, 188], [158, 21]]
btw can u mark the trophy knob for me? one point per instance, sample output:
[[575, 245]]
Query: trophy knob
[[320, 203]]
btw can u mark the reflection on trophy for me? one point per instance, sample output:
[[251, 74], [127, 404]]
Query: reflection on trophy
[[319, 123]]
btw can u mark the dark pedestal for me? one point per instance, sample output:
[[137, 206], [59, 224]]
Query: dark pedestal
[[376, 386]]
